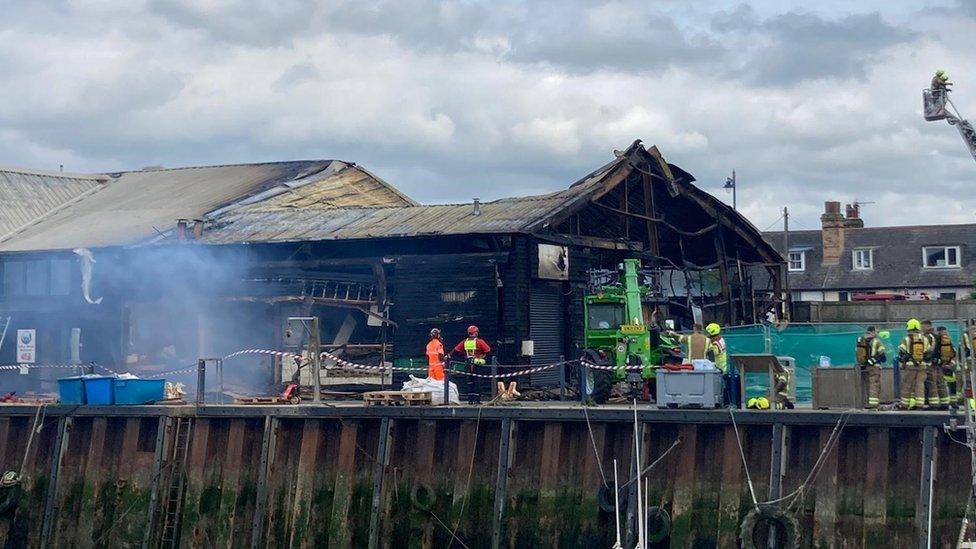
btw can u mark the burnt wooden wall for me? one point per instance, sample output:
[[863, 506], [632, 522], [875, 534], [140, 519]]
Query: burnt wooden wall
[[302, 477]]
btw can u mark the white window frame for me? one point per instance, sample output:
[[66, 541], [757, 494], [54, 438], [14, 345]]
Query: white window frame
[[803, 261], [862, 267], [945, 250]]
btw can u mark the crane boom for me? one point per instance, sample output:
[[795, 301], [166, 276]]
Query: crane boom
[[937, 106], [967, 132]]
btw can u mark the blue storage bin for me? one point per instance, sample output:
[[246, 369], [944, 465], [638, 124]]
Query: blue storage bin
[[99, 390], [139, 391], [71, 390]]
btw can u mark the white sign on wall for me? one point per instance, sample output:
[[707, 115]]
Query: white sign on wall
[[26, 346], [553, 262]]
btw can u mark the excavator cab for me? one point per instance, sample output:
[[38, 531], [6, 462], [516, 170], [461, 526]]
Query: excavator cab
[[934, 104]]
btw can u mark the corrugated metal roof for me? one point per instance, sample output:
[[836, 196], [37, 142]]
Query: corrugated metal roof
[[292, 219], [278, 225], [135, 207], [26, 196]]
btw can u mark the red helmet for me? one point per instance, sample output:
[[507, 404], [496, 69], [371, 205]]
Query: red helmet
[[472, 330]]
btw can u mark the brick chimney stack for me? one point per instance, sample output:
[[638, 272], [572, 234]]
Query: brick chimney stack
[[832, 224], [854, 220]]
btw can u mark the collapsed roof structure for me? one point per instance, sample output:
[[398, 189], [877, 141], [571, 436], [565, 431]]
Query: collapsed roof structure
[[321, 222]]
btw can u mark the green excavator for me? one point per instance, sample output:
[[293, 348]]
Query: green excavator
[[621, 335]]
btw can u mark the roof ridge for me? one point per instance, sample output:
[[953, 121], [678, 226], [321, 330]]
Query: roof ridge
[[235, 165], [60, 175]]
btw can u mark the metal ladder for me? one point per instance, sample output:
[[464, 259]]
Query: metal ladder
[[173, 506], [4, 324]]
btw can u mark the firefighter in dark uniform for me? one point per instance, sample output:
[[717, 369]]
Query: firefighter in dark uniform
[[870, 355], [936, 392], [946, 353]]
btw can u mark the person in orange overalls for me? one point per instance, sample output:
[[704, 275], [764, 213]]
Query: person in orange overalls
[[435, 356]]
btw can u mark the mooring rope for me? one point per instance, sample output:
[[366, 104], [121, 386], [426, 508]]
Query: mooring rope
[[745, 465], [596, 452]]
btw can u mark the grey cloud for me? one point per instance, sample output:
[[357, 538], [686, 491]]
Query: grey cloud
[[796, 47], [576, 67], [258, 23]]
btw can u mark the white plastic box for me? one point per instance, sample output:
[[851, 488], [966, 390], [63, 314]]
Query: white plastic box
[[689, 389]]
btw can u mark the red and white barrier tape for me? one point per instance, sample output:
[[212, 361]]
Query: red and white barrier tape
[[16, 367], [187, 370], [610, 367]]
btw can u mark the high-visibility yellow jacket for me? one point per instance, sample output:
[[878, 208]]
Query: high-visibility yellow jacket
[[696, 345], [720, 355], [874, 351]]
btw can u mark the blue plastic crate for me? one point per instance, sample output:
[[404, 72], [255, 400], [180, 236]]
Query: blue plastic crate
[[99, 390], [71, 390], [139, 391]]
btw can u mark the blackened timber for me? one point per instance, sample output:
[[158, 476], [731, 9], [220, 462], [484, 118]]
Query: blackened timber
[[592, 241], [649, 210]]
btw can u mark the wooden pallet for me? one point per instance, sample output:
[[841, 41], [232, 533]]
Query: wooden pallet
[[396, 398]]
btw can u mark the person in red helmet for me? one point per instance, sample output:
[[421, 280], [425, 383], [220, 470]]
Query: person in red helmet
[[474, 350]]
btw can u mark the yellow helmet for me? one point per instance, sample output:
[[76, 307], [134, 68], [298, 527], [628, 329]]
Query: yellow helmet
[[939, 72], [758, 403], [913, 324], [713, 329]]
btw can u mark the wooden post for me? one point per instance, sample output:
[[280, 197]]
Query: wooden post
[[379, 473], [50, 500], [923, 510], [260, 500], [161, 433], [505, 448], [876, 487]]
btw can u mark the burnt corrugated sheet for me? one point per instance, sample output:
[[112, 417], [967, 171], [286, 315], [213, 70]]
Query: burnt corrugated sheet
[[270, 221], [26, 196], [135, 207]]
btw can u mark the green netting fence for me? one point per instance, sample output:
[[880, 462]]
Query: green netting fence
[[813, 344]]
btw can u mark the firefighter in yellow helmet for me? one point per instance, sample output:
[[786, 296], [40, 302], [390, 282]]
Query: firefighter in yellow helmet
[[940, 82], [870, 355], [913, 352], [717, 351]]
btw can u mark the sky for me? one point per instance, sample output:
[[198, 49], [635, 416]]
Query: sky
[[807, 101]]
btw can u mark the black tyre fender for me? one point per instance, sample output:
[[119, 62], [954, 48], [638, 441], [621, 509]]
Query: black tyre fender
[[753, 531], [658, 524], [604, 498], [423, 496], [601, 381]]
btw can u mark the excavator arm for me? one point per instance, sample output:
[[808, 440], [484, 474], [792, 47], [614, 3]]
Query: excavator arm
[[937, 106]]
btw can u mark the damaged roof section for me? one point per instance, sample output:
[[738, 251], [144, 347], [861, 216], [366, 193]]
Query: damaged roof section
[[324, 200], [141, 206], [27, 196], [292, 218]]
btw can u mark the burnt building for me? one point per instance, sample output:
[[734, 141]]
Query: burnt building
[[205, 261]]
